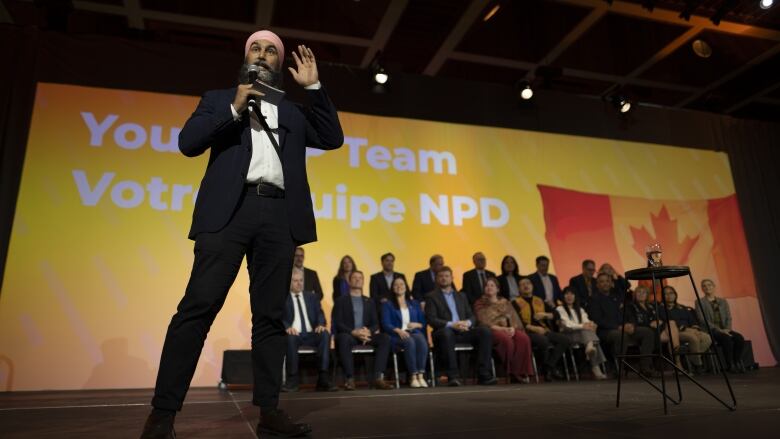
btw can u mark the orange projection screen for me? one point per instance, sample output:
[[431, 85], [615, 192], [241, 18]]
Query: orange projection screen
[[99, 258]]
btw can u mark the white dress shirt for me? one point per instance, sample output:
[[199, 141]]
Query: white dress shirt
[[572, 323], [297, 320], [548, 287], [265, 165], [405, 319]]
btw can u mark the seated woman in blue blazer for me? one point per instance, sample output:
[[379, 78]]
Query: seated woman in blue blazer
[[404, 321]]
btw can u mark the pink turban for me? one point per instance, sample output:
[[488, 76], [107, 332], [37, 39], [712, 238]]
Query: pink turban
[[266, 35]]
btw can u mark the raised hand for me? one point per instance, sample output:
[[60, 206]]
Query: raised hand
[[305, 73]]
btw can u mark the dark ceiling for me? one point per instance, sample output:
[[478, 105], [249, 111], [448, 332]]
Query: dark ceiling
[[589, 47]]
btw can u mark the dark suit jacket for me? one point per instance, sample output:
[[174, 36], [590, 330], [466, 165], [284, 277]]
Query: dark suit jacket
[[343, 315], [313, 310], [212, 127], [438, 314], [311, 282], [377, 287], [471, 286], [577, 283], [536, 279], [337, 281], [423, 284], [503, 282]]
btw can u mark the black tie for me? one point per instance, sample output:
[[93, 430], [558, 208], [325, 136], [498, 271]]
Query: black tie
[[300, 312], [482, 279]]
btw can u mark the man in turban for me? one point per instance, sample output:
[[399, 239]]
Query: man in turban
[[253, 201]]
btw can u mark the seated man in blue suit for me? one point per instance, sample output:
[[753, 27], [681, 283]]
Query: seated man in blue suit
[[355, 322], [304, 322], [450, 315]]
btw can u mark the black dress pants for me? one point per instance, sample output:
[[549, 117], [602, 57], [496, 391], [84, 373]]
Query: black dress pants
[[381, 343], [321, 341], [445, 339], [260, 230], [560, 344], [732, 345]]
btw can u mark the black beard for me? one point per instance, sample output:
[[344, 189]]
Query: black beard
[[265, 74]]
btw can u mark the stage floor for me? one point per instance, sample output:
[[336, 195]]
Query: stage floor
[[585, 410]]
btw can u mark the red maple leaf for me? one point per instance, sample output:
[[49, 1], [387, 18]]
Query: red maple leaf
[[674, 252]]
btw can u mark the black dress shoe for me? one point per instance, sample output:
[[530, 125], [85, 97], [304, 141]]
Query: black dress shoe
[[159, 426], [454, 382], [281, 424], [489, 381], [289, 388], [325, 386]]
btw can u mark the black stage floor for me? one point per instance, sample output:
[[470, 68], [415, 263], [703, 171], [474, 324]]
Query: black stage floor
[[566, 410]]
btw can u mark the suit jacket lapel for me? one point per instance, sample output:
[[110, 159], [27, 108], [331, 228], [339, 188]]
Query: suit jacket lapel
[[284, 115]]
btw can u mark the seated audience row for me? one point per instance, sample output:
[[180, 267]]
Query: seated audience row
[[510, 313]]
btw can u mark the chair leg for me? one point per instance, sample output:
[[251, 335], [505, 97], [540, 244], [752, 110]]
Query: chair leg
[[433, 371], [574, 365], [493, 366], [395, 369], [284, 370], [565, 367], [536, 370]]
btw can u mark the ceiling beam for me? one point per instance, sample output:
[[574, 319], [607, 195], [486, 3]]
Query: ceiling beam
[[134, 18], [386, 27], [5, 17], [770, 101], [752, 98], [264, 11], [456, 35], [666, 51], [222, 24], [574, 73], [673, 17], [578, 31], [728, 77]]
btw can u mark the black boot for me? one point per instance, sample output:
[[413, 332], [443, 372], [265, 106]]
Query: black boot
[[323, 383], [159, 425], [279, 423]]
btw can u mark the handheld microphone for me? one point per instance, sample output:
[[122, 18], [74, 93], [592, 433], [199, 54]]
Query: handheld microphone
[[252, 71]]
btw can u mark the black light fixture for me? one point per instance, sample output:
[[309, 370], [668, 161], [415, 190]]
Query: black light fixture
[[525, 91], [491, 12], [721, 11], [378, 73], [690, 6], [648, 4], [621, 102]]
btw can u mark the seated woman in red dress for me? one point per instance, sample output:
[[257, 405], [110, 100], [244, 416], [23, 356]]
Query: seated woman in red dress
[[510, 341]]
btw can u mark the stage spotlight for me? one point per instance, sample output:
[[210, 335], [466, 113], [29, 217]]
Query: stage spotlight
[[622, 103], [526, 92], [701, 48], [766, 4], [380, 75], [491, 12]]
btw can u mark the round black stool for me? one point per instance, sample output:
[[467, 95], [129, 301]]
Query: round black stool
[[657, 274]]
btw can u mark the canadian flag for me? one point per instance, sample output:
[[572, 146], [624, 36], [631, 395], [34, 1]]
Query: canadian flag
[[706, 235]]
